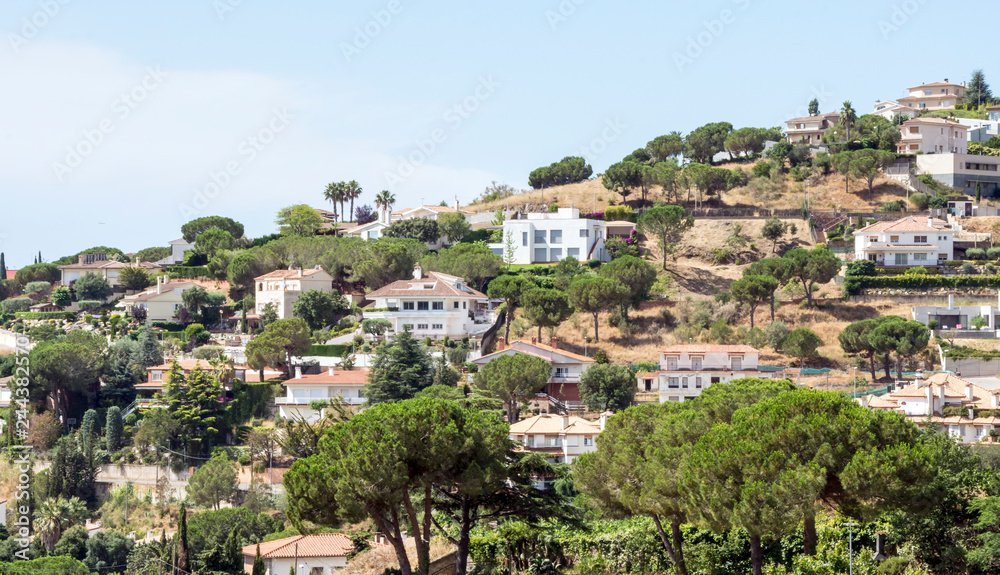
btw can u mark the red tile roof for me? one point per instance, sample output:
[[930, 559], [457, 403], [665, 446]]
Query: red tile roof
[[907, 224], [442, 285], [339, 377], [277, 274], [938, 84], [189, 364], [321, 545]]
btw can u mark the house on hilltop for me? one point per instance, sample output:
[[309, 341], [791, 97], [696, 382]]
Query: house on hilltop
[[162, 301], [550, 237], [284, 287], [99, 264], [320, 554], [347, 385], [687, 369], [932, 136], [562, 438], [934, 96], [563, 387], [810, 129]]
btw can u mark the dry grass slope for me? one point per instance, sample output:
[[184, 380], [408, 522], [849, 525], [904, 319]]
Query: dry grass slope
[[376, 561]]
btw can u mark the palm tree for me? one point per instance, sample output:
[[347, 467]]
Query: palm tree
[[54, 516], [848, 116], [385, 200], [353, 192], [331, 194]]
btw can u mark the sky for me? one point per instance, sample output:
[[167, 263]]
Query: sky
[[121, 120]]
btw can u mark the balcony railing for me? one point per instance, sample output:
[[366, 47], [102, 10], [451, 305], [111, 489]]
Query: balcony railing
[[307, 400]]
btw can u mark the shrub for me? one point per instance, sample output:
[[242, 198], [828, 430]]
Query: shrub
[[776, 333], [860, 268], [327, 350], [920, 201], [89, 305], [763, 169], [893, 206], [16, 304], [554, 208], [66, 315], [617, 213], [993, 254], [207, 352], [968, 269], [975, 253]]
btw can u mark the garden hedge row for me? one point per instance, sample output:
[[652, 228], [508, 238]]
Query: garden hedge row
[[854, 284], [67, 315]]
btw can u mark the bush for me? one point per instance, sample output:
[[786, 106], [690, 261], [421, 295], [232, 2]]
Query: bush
[[993, 254], [188, 272], [893, 206], [920, 201], [168, 326], [327, 350], [89, 305], [975, 253], [207, 352], [593, 264], [968, 269], [66, 315], [860, 268], [776, 333], [16, 304], [618, 213], [854, 284], [763, 169]]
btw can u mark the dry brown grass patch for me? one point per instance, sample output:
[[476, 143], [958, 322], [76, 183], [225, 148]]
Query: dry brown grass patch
[[375, 561]]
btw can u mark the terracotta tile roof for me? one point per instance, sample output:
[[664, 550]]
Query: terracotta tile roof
[[907, 224], [829, 116], [437, 209], [550, 349], [936, 84], [321, 545], [647, 375], [700, 348], [110, 265], [993, 108], [534, 349], [189, 364], [553, 424], [954, 388], [357, 229], [339, 377], [278, 274], [920, 97], [934, 122], [442, 285], [169, 287], [620, 223]]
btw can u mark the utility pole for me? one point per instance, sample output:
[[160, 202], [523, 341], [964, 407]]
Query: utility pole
[[850, 545]]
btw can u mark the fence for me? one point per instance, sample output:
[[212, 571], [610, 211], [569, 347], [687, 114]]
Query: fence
[[749, 212]]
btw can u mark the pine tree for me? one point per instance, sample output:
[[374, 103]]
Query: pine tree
[[182, 542], [978, 91], [152, 352]]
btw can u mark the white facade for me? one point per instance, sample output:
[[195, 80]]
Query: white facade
[[685, 370], [436, 305], [906, 242], [889, 110], [562, 438], [551, 237], [980, 130], [307, 565], [334, 383], [177, 249], [958, 317], [284, 287], [932, 136]]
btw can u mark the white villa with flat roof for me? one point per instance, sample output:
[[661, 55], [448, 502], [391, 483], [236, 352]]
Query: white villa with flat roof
[[347, 385], [551, 237]]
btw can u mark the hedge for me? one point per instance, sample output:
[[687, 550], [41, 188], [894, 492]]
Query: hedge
[[16, 304], [378, 309], [327, 350], [89, 305], [854, 284], [67, 315], [168, 325], [188, 272]]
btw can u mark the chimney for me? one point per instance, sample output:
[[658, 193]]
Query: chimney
[[330, 371], [555, 342], [995, 400], [930, 221], [136, 260], [298, 371], [81, 258], [418, 272], [604, 420], [919, 378], [457, 205], [968, 391], [972, 412], [299, 274], [159, 284], [879, 555], [941, 391], [534, 341], [930, 401], [501, 343], [565, 420]]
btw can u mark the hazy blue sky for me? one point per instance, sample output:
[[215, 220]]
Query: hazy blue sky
[[117, 116]]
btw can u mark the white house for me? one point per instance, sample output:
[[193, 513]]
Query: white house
[[907, 241], [284, 287], [562, 438], [435, 305], [563, 387], [971, 407], [373, 230], [934, 96], [551, 237], [321, 554], [685, 370], [97, 263], [932, 136], [964, 171], [810, 129], [957, 317], [347, 385], [177, 249], [890, 109]]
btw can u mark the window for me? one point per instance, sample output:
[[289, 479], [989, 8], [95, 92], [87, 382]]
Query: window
[[573, 253], [524, 238], [673, 382], [456, 305], [373, 235], [894, 239], [438, 306], [407, 306], [555, 236], [588, 440], [423, 305], [437, 326], [672, 364], [901, 259], [555, 254], [684, 382], [697, 382], [562, 372], [540, 255], [737, 363], [408, 326], [585, 233], [463, 305], [539, 236], [157, 376], [422, 326], [915, 129], [873, 238], [920, 239], [919, 257], [696, 363]]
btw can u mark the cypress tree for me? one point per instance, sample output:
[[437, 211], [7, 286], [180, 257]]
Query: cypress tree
[[39, 256], [113, 429], [232, 551], [90, 432], [258, 564], [3, 267], [182, 543]]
